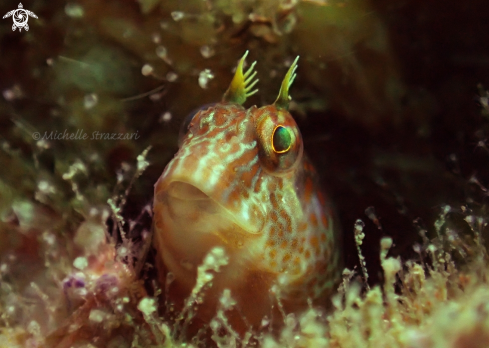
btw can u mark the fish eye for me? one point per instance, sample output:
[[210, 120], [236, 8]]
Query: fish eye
[[281, 139], [187, 120]]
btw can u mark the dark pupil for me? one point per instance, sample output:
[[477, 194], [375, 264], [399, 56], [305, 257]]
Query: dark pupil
[[281, 139]]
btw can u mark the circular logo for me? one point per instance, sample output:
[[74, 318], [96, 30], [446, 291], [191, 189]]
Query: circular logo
[[20, 17]]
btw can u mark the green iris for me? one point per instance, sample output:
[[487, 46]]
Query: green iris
[[281, 139]]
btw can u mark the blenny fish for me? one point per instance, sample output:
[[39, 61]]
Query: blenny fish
[[241, 181]]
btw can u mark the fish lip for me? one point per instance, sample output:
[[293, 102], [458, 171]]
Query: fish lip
[[165, 182], [187, 191]]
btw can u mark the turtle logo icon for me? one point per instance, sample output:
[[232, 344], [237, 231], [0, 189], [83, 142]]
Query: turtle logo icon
[[20, 17]]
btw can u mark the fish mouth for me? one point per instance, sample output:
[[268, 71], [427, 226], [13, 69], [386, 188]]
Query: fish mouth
[[188, 202], [202, 214], [189, 223], [195, 201]]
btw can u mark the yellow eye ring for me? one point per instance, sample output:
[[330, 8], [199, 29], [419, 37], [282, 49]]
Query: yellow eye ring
[[281, 139]]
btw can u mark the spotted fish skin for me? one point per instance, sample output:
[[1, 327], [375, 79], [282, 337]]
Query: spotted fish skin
[[241, 182]]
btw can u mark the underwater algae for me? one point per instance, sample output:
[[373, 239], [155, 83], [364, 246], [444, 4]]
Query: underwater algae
[[385, 107]]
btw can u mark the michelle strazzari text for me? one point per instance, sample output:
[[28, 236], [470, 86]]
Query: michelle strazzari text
[[82, 135]]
